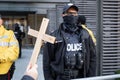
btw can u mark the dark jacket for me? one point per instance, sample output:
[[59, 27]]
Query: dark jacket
[[53, 62], [25, 77], [18, 33]]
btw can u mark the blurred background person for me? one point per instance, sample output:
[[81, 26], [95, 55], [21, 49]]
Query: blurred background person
[[19, 35], [82, 23]]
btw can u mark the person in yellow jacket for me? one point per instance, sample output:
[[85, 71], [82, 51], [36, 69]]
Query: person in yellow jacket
[[9, 50], [82, 22]]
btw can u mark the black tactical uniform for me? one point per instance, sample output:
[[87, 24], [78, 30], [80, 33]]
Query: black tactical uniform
[[73, 55]]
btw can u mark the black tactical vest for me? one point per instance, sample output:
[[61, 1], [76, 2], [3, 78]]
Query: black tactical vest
[[73, 56]]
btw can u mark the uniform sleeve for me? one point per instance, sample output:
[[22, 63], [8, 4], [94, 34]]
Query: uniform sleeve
[[93, 59], [12, 51], [26, 77], [90, 33], [48, 50]]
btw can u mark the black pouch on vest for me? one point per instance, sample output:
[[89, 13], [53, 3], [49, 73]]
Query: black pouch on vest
[[79, 60], [70, 60]]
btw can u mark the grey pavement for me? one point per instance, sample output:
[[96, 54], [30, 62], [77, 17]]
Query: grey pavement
[[22, 63]]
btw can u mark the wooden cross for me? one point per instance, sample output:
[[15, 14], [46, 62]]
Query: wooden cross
[[41, 36]]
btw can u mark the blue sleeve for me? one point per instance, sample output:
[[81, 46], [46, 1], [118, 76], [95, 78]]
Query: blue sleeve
[[26, 77]]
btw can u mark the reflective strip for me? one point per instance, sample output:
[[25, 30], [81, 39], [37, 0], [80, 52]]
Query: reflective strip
[[5, 36], [13, 43], [8, 44], [4, 43]]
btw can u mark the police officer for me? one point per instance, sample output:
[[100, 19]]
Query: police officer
[[73, 55], [9, 50], [82, 23]]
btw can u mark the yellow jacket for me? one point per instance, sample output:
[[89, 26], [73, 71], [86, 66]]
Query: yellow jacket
[[9, 49], [90, 33]]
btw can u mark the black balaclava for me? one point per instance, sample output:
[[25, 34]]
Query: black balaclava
[[70, 22]]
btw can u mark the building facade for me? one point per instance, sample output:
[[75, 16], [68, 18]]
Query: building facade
[[27, 12], [103, 17]]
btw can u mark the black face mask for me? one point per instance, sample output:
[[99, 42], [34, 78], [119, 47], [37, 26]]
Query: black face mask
[[70, 19], [70, 22]]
